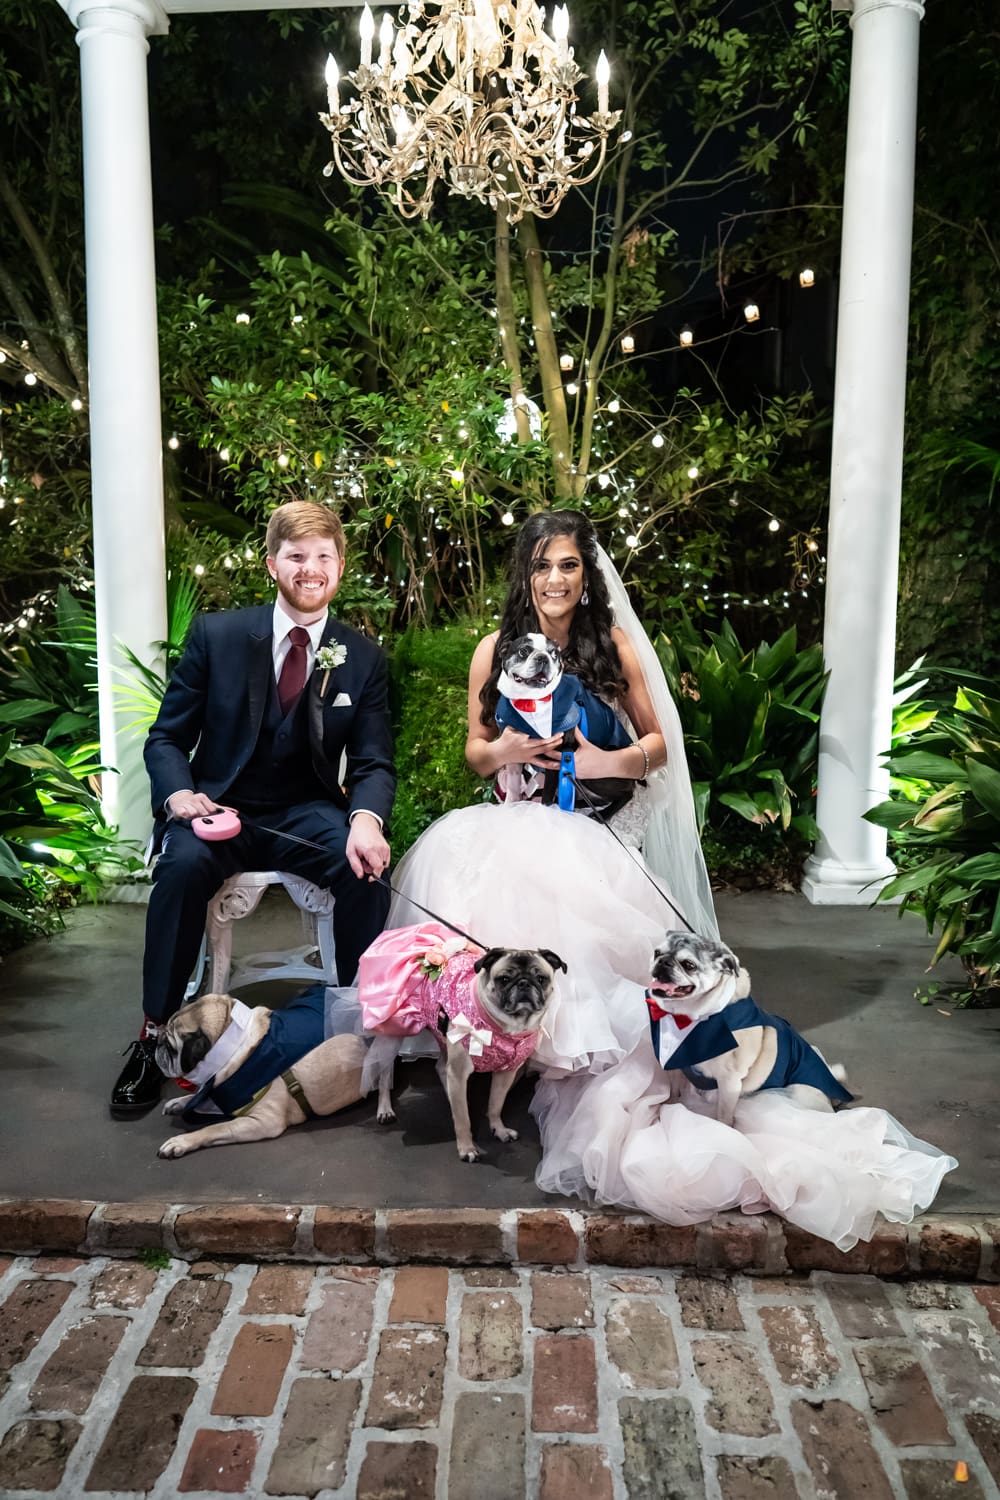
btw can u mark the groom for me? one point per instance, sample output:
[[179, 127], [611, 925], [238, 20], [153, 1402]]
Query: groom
[[260, 713]]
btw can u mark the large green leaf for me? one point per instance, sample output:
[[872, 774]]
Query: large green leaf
[[10, 865], [740, 803], [985, 785], [25, 708], [925, 767]]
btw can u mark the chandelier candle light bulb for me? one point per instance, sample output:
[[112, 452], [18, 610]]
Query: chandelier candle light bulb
[[332, 75], [367, 29], [603, 74]]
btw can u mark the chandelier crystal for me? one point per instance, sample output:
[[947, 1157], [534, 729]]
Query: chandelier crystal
[[472, 93]]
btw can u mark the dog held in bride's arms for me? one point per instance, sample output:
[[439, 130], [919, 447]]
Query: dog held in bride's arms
[[257, 1071], [711, 1035], [484, 1008]]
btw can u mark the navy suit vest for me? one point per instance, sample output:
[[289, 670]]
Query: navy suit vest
[[280, 771]]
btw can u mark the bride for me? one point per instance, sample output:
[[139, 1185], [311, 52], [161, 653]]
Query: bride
[[518, 873]]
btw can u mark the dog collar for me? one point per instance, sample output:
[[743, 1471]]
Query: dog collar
[[232, 1038]]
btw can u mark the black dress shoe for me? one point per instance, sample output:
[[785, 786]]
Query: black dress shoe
[[140, 1082]]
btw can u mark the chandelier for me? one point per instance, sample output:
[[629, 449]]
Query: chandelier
[[472, 93]]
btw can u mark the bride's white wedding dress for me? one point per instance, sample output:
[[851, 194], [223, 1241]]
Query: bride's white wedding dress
[[522, 875]]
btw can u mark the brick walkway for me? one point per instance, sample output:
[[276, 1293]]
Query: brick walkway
[[402, 1383]]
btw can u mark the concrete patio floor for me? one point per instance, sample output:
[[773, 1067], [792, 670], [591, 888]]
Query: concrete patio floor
[[845, 976]]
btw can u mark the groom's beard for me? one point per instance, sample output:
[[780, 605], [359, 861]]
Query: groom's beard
[[307, 601]]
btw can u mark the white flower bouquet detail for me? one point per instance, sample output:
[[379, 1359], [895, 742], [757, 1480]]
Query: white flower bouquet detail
[[328, 659]]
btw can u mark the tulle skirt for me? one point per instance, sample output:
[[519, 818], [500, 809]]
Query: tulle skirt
[[519, 875], [523, 875], [616, 1138]]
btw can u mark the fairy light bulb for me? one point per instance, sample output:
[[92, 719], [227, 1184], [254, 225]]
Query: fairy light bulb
[[751, 312], [631, 541], [657, 440], [687, 336], [458, 475], [628, 344], [173, 441], [603, 481], [774, 524], [31, 378], [242, 317], [507, 519], [248, 554], [807, 276], [282, 460], [614, 405], [812, 546], [572, 388], [224, 455], [566, 361], [76, 404], [199, 569], [693, 472]]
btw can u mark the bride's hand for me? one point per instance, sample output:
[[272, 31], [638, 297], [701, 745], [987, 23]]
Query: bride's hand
[[593, 763], [516, 749]]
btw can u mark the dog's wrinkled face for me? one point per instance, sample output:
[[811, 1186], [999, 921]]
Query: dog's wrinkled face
[[191, 1033], [692, 975], [533, 662], [515, 985]]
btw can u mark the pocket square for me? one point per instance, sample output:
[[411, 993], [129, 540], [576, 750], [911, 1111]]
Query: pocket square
[[342, 700]]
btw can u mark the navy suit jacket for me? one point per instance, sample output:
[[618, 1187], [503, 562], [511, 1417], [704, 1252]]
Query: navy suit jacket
[[214, 706]]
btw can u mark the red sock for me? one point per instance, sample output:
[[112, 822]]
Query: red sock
[[184, 1084]]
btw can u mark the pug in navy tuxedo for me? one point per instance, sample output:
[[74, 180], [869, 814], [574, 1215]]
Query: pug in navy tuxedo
[[280, 711]]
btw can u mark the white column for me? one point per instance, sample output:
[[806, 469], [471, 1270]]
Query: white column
[[866, 471], [125, 434]]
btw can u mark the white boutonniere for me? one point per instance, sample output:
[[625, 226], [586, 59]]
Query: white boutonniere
[[328, 658]]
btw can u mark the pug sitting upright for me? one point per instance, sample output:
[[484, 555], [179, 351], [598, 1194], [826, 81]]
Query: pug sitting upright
[[707, 1027], [485, 1014]]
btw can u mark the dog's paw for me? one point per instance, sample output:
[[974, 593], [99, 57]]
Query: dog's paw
[[469, 1153], [386, 1116], [176, 1106], [504, 1132], [176, 1146]]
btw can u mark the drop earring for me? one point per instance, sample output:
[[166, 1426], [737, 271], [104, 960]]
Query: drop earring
[[585, 597]]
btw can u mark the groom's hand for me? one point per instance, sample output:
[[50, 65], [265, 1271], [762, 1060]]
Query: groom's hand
[[367, 851]]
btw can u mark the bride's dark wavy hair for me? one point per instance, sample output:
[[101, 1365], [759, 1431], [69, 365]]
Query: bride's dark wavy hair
[[591, 653]]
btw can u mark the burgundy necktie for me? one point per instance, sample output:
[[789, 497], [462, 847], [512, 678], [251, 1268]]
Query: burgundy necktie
[[293, 669]]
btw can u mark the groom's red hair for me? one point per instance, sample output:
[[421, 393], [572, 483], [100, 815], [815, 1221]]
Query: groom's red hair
[[300, 518]]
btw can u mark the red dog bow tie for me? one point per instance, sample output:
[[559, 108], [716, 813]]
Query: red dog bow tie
[[529, 705], [657, 1012]]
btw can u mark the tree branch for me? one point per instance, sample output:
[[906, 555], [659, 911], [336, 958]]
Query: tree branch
[[71, 341]]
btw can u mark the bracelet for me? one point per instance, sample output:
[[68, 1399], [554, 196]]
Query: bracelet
[[645, 755]]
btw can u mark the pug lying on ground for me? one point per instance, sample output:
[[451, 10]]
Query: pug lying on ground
[[708, 1030], [238, 1054], [485, 1014]]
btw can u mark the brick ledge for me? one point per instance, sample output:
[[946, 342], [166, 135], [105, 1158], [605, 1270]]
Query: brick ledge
[[965, 1248]]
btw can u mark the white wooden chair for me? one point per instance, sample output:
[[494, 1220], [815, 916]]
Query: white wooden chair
[[240, 895]]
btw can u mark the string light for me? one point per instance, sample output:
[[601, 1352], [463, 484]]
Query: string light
[[687, 336], [507, 519], [657, 440], [224, 455], [693, 472], [3, 357], [242, 317], [199, 569], [31, 378], [614, 405], [774, 524], [173, 441], [566, 361], [572, 388], [76, 404], [628, 344], [751, 312], [457, 476], [631, 541], [282, 460], [807, 277]]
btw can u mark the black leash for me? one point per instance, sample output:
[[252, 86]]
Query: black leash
[[380, 879], [591, 801]]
